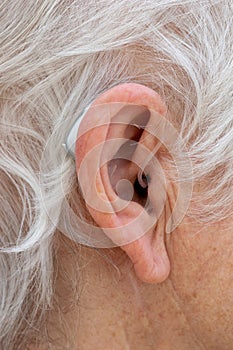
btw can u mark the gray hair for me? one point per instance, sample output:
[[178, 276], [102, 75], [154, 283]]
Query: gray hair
[[56, 56]]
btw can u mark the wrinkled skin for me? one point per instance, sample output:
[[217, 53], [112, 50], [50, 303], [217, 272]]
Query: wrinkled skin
[[192, 309]]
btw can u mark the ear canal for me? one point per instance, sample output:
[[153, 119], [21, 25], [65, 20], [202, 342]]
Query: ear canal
[[112, 154], [121, 167]]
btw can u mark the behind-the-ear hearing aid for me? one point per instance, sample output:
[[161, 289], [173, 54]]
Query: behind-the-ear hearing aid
[[69, 144]]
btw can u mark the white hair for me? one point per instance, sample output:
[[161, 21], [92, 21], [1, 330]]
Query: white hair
[[56, 56]]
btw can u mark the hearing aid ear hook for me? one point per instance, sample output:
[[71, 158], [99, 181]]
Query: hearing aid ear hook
[[69, 144]]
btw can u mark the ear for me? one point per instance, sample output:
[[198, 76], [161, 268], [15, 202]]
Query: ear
[[123, 192]]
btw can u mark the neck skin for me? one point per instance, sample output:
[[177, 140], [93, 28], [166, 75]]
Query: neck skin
[[117, 311], [100, 304]]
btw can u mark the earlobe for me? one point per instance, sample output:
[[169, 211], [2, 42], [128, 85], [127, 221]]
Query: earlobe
[[110, 190], [149, 256]]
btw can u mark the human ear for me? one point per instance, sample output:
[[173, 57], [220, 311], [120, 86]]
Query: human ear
[[120, 179]]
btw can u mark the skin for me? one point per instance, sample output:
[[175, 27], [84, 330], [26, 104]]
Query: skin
[[160, 292], [115, 310]]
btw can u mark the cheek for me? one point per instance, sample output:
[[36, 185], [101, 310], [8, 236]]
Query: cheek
[[202, 278]]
